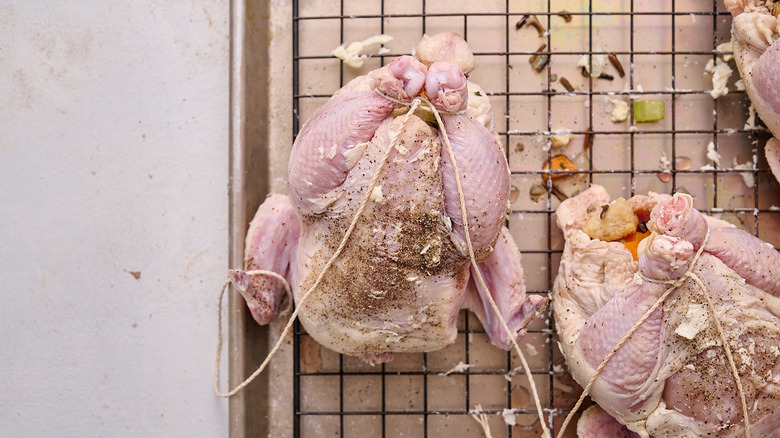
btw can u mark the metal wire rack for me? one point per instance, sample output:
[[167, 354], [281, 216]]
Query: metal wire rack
[[663, 46]]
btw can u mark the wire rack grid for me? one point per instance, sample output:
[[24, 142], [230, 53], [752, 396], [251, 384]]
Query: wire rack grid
[[663, 47]]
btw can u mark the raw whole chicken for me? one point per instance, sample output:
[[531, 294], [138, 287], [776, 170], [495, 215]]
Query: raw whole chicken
[[404, 273], [671, 378], [754, 33]]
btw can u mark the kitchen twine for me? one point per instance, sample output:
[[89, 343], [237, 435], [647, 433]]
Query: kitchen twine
[[482, 419], [674, 284], [414, 105], [430, 108]]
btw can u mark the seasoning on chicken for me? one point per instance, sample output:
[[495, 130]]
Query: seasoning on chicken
[[672, 375], [404, 272]]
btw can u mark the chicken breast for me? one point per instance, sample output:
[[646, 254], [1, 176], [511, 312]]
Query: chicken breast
[[671, 377], [404, 272], [754, 34]]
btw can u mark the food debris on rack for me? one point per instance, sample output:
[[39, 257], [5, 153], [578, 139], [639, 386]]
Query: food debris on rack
[[561, 137], [351, 54], [538, 60], [636, 92], [750, 123], [599, 63], [748, 177], [514, 192], [725, 50], [613, 59], [616, 108], [532, 21], [536, 192], [720, 70], [559, 163], [712, 154], [666, 174], [564, 185], [682, 163], [513, 372], [566, 15], [589, 135], [459, 368], [509, 416], [646, 111], [665, 163], [566, 84]]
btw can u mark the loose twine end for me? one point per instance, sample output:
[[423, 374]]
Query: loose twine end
[[482, 419]]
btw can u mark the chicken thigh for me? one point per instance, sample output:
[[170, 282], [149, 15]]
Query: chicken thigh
[[671, 378], [754, 33], [404, 272]]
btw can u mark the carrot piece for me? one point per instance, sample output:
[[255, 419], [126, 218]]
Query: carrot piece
[[632, 242], [559, 162]]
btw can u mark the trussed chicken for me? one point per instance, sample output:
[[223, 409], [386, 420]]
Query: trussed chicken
[[671, 378], [405, 272]]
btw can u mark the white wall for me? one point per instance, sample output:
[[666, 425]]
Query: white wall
[[113, 160]]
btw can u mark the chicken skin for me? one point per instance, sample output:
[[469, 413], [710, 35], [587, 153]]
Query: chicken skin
[[671, 378]]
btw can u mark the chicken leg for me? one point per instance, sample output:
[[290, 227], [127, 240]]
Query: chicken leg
[[270, 245], [503, 274]]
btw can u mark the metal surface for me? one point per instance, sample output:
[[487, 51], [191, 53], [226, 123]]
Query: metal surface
[[260, 136], [663, 47]]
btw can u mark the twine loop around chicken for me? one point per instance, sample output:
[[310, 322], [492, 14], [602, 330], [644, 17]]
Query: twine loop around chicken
[[673, 285]]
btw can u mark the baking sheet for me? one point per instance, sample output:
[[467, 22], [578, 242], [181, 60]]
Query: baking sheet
[[282, 73]]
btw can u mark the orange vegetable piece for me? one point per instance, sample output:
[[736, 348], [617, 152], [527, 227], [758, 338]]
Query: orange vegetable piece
[[558, 162], [632, 242]]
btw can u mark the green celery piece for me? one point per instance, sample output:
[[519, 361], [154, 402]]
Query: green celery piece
[[648, 111]]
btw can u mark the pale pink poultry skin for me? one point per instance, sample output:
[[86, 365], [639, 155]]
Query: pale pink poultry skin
[[669, 381], [405, 272], [596, 423], [755, 31]]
